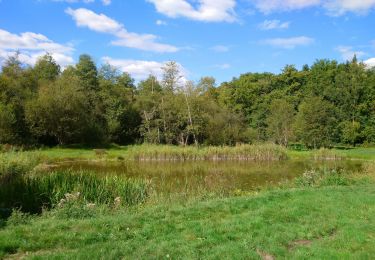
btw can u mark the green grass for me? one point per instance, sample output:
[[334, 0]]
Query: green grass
[[169, 153], [354, 153], [336, 222], [175, 152]]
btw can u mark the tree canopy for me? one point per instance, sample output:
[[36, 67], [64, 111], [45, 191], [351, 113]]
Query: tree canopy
[[325, 104]]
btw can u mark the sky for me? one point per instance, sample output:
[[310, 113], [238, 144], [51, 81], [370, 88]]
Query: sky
[[219, 38]]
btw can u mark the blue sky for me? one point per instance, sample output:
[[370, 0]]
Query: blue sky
[[219, 38]]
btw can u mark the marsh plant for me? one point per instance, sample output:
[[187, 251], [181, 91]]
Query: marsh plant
[[327, 154], [243, 152], [14, 163], [323, 177], [32, 193]]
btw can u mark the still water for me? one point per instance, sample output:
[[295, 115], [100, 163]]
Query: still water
[[207, 176]]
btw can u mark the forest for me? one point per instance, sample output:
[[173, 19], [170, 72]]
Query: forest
[[323, 105]]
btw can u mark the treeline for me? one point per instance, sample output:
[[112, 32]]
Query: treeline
[[326, 104]]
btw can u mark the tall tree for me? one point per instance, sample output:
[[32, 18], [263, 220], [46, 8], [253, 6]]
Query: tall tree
[[280, 121], [46, 68], [316, 122]]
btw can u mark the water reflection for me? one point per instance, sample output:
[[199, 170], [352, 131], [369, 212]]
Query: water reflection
[[223, 176]]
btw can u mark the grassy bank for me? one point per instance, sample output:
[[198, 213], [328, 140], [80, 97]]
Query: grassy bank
[[331, 222], [359, 153], [165, 153], [261, 152], [322, 214]]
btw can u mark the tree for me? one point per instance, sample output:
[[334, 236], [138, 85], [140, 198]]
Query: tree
[[171, 76], [280, 121], [351, 132], [315, 122], [7, 121], [60, 111], [46, 68], [87, 73]]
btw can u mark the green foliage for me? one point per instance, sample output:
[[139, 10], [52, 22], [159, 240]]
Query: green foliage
[[322, 105], [323, 177], [264, 152], [315, 122], [46, 68], [60, 111], [18, 218], [7, 122], [280, 121], [32, 193]]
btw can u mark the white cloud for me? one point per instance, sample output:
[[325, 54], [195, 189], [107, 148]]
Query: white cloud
[[273, 24], [104, 24], [370, 62], [270, 6], [75, 1], [207, 10], [347, 52], [220, 48], [289, 43], [33, 45], [104, 2], [161, 22], [141, 69], [340, 7], [333, 7]]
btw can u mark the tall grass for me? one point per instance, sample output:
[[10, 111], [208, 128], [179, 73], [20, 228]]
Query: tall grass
[[263, 152], [32, 193], [326, 154], [14, 163]]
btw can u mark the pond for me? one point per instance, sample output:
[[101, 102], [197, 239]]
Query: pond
[[206, 176]]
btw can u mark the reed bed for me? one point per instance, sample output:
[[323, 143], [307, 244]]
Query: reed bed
[[32, 193], [263, 152], [14, 163], [327, 154]]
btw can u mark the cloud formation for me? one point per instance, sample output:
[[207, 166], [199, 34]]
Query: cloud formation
[[141, 69], [273, 24], [103, 24], [104, 2], [347, 52], [370, 62], [333, 7], [206, 10], [33, 45], [289, 43]]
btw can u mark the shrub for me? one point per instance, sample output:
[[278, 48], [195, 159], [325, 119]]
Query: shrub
[[323, 177]]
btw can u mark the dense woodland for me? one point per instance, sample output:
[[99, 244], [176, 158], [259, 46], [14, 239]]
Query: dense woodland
[[327, 104]]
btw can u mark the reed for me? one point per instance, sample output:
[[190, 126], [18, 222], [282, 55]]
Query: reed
[[327, 154], [263, 152], [14, 163], [32, 193]]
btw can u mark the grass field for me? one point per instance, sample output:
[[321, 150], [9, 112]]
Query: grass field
[[321, 223]]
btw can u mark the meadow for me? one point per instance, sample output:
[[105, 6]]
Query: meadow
[[53, 212]]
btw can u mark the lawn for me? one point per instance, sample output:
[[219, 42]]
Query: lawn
[[336, 222]]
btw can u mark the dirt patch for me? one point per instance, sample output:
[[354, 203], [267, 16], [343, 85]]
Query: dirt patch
[[265, 255]]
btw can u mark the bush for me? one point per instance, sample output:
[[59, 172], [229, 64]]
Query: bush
[[323, 177], [18, 218]]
